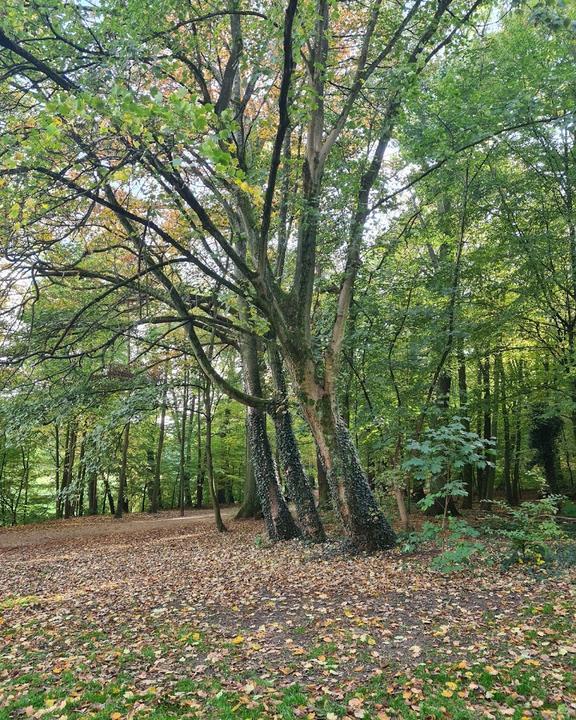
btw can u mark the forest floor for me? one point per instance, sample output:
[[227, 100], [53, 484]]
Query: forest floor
[[163, 618]]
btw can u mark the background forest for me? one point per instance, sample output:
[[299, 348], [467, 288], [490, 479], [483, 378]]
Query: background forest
[[155, 213]]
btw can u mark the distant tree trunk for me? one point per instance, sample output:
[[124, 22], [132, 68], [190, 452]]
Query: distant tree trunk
[[25, 455], [507, 466], [155, 499], [26, 481], [67, 470], [279, 522], [108, 496], [442, 505], [291, 462], [182, 448], [484, 375], [121, 501], [188, 460], [468, 470], [92, 493], [494, 409], [250, 507], [516, 494], [200, 462], [57, 452], [209, 464], [81, 476]]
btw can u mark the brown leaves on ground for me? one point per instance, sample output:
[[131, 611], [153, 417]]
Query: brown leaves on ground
[[164, 601]]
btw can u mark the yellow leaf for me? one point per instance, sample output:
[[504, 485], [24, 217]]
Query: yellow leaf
[[447, 693], [238, 640], [451, 685], [491, 670], [115, 716]]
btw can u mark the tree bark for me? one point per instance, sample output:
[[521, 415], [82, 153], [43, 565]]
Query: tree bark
[[250, 507], [67, 470], [155, 503], [209, 464], [507, 465], [279, 522], [92, 492], [468, 470], [200, 463], [121, 500], [364, 523], [323, 490], [290, 460]]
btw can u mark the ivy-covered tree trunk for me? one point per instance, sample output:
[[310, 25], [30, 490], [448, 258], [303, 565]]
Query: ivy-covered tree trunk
[[279, 522], [290, 460], [352, 499], [323, 491]]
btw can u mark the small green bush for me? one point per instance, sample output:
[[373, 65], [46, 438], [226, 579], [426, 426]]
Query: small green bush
[[530, 530]]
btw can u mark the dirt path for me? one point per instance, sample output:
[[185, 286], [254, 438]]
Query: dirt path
[[63, 530]]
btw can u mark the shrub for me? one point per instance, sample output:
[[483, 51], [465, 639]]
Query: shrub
[[529, 529]]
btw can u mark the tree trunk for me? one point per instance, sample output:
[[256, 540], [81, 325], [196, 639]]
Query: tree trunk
[[279, 522], [494, 406], [484, 378], [155, 501], [67, 470], [468, 470], [92, 493], [290, 460], [26, 470], [200, 464], [208, 456], [120, 502], [57, 463], [250, 507], [323, 490], [188, 460], [108, 496], [352, 499], [507, 466], [182, 449], [81, 476]]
